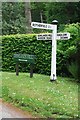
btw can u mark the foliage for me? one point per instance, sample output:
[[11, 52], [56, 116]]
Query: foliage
[[71, 51], [69, 47], [73, 69], [13, 16], [41, 97], [64, 12], [27, 43], [78, 59], [61, 63], [37, 8], [73, 30]]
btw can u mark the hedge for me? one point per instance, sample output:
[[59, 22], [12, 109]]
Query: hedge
[[27, 43]]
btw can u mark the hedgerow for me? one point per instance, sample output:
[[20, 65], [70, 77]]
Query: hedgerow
[[27, 43]]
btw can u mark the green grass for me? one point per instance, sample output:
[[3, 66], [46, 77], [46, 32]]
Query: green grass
[[40, 96]]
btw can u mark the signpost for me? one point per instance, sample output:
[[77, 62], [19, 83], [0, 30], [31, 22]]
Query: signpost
[[48, 36], [42, 25], [53, 37]]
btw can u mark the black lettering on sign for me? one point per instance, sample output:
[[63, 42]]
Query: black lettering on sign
[[39, 35], [65, 34], [59, 34], [64, 37], [45, 35]]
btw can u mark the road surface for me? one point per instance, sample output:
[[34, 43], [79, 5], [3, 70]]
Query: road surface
[[9, 111]]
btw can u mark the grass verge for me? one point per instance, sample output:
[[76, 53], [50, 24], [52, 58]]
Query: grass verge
[[40, 96]]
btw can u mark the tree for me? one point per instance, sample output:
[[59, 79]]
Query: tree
[[28, 17], [64, 12], [13, 17], [17, 16], [38, 9]]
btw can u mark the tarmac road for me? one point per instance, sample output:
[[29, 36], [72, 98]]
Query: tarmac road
[[9, 111]]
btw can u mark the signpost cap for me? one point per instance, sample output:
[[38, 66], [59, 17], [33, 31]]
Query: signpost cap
[[55, 22]]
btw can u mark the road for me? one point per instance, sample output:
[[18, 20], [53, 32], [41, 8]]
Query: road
[[9, 111]]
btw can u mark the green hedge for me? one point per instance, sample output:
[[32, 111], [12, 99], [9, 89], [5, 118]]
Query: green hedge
[[30, 45], [27, 43]]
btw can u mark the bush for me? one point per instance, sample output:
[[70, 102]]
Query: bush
[[69, 48], [73, 69], [78, 58], [28, 44]]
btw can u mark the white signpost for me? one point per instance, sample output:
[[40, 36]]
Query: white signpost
[[53, 37], [48, 36], [42, 25]]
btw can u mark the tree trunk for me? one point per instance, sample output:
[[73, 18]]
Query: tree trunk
[[28, 17], [41, 16]]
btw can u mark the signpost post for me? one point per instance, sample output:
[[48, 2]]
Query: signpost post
[[53, 59], [53, 37]]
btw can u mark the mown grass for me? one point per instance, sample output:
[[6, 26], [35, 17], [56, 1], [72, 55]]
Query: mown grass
[[40, 96]]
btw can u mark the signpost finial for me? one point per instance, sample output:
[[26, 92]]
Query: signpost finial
[[55, 22]]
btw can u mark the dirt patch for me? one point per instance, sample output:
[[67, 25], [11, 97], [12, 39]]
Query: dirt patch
[[10, 111]]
